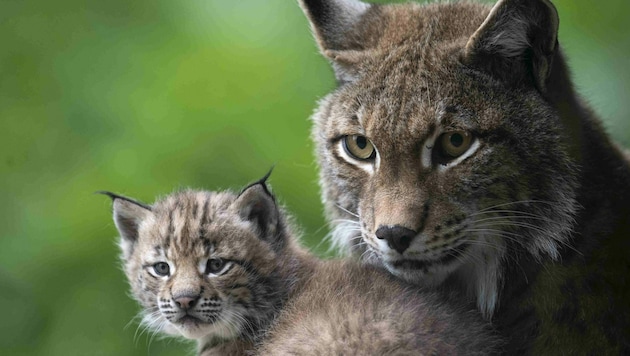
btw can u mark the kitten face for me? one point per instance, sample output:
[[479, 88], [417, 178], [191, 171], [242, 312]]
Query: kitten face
[[431, 166], [198, 264]]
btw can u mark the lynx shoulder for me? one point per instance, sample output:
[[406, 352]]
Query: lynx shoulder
[[455, 153], [225, 269]]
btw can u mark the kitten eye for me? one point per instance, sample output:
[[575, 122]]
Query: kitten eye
[[162, 269], [215, 266], [455, 143], [359, 147]]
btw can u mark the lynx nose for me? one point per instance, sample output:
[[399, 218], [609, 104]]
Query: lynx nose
[[398, 238], [186, 302]]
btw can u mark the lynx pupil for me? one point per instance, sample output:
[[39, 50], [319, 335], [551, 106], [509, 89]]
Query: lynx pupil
[[214, 265], [453, 144], [457, 140], [361, 142]]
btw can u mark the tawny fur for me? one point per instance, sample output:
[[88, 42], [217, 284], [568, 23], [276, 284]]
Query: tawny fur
[[278, 299], [531, 222]]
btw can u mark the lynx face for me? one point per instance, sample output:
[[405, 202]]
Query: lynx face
[[439, 153], [201, 264]]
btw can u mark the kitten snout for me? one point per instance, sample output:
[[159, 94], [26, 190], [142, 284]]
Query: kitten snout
[[186, 302]]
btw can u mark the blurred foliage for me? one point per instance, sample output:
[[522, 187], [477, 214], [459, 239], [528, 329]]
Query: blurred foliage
[[142, 97]]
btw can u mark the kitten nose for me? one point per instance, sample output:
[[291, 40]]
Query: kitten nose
[[398, 238], [186, 302]]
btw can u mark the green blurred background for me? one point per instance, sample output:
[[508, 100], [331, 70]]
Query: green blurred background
[[142, 97]]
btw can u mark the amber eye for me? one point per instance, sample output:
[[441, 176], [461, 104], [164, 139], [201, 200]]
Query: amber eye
[[455, 143], [214, 265], [359, 147], [161, 269]]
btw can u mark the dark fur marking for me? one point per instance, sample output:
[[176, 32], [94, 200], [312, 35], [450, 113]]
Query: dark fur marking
[[450, 109], [320, 12], [195, 207], [238, 285], [171, 226], [207, 244], [205, 219]]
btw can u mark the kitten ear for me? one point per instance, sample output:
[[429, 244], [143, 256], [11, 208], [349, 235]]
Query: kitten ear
[[128, 214], [256, 204], [517, 41], [334, 23]]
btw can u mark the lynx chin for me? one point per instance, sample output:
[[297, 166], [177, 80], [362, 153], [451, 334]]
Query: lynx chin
[[226, 270], [455, 153]]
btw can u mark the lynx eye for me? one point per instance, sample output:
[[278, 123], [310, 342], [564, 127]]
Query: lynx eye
[[455, 143], [162, 269], [359, 147], [216, 266]]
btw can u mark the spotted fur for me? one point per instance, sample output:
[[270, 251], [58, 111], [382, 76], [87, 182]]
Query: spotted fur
[[271, 297], [538, 196], [189, 231]]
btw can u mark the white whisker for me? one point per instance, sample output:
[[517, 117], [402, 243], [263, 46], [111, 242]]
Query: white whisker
[[513, 224], [519, 202], [510, 217], [348, 211]]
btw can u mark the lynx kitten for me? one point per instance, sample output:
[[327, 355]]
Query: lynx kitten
[[455, 153], [224, 269]]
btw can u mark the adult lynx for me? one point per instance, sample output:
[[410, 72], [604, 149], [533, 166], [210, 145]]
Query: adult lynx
[[226, 270], [456, 145]]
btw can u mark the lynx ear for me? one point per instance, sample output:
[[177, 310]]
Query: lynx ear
[[128, 214], [256, 204], [517, 41], [334, 23]]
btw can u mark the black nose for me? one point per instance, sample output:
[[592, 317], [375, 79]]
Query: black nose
[[398, 238]]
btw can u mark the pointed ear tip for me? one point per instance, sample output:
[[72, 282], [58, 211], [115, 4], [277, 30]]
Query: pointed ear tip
[[111, 195], [262, 181], [266, 176], [119, 199]]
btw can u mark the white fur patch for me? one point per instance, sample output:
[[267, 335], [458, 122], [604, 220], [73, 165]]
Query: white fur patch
[[427, 149], [473, 148], [346, 236], [486, 273], [351, 10]]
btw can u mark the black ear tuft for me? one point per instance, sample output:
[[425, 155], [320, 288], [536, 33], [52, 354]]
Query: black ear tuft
[[257, 204], [517, 42], [115, 196], [128, 214], [263, 182]]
